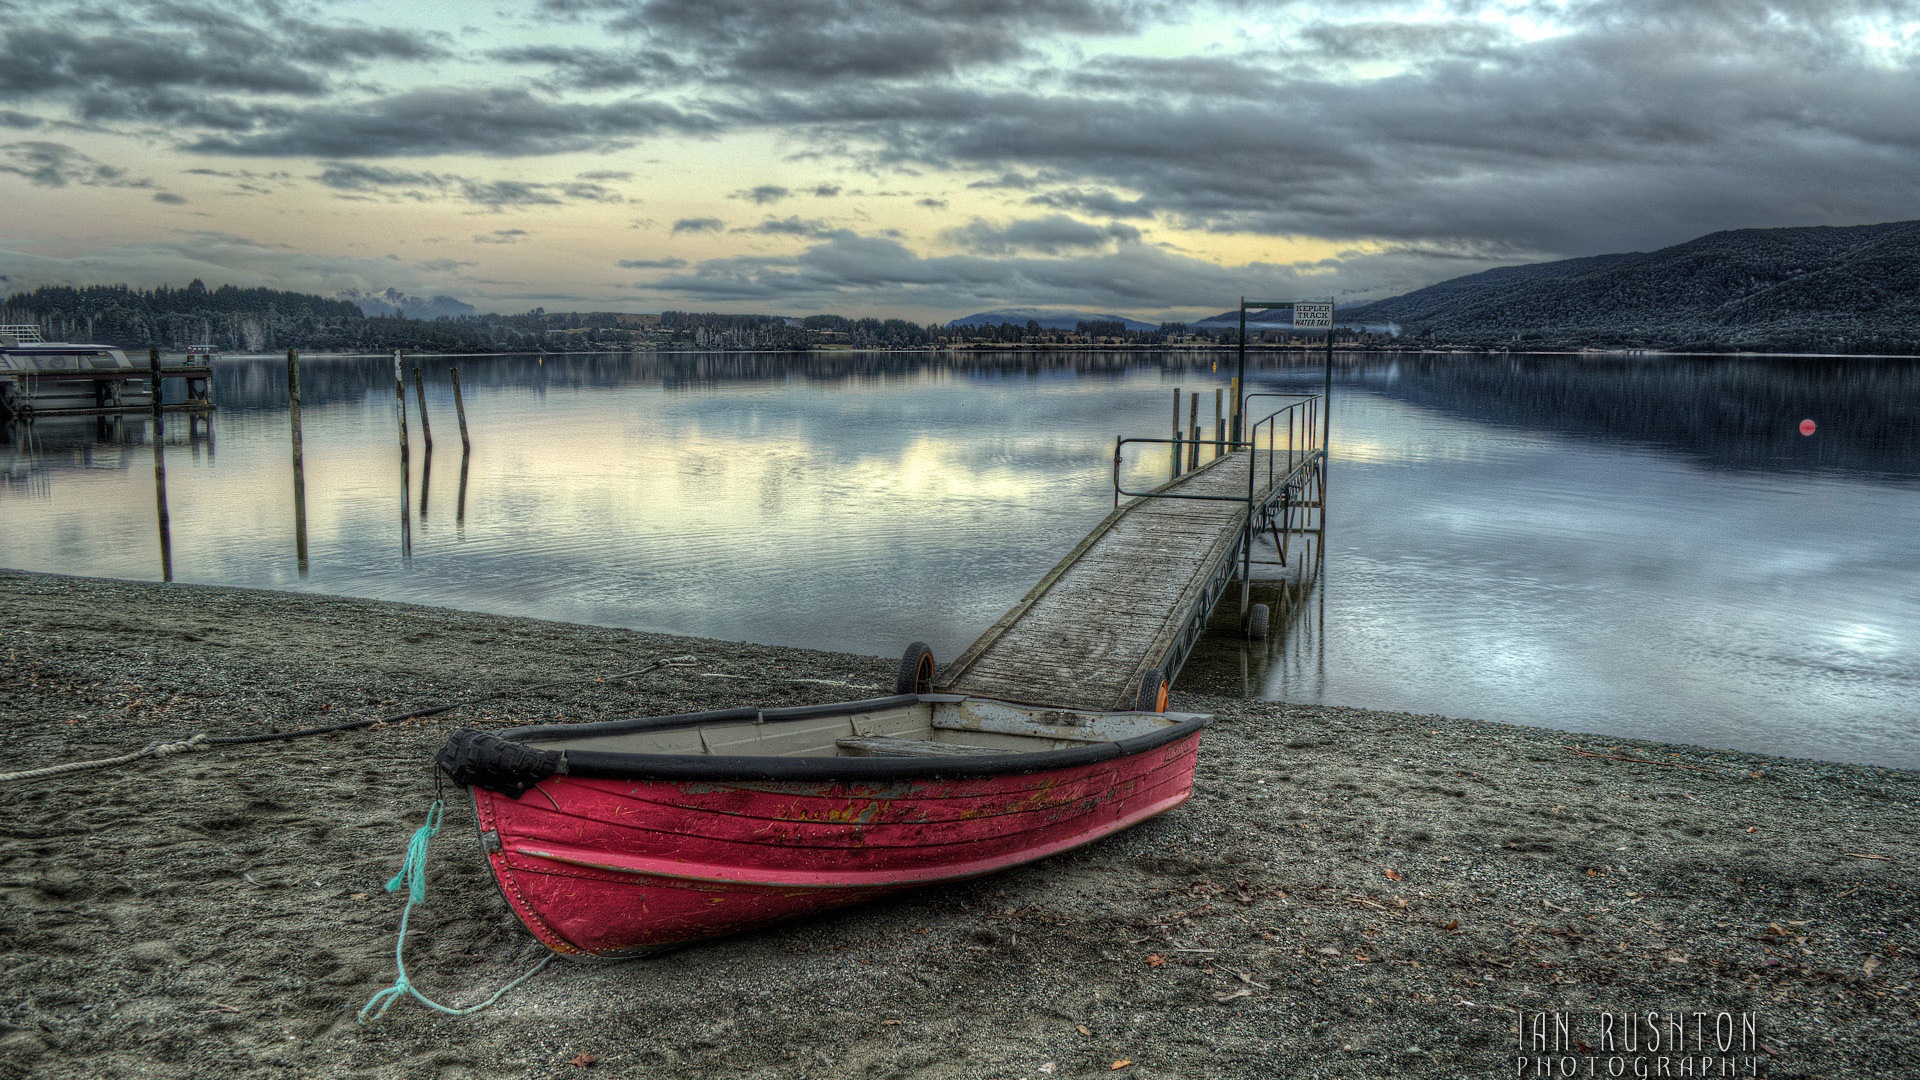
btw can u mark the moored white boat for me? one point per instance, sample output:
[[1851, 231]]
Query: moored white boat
[[37, 374]]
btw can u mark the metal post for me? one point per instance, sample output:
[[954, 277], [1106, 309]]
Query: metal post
[[1240, 380], [1326, 411], [1326, 421], [160, 469], [299, 462]]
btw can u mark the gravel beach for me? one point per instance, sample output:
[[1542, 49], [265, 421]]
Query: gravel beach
[[1348, 893]]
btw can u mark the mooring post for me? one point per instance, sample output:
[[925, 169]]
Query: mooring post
[[299, 462], [400, 410], [1233, 413], [400, 399], [1193, 430], [420, 388], [1219, 436], [1116, 472], [160, 468], [460, 409], [460, 511], [1176, 432]]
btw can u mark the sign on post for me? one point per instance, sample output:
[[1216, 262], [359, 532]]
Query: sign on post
[[1313, 314]]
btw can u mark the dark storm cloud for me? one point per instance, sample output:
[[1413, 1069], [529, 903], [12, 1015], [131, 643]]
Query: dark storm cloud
[[603, 69], [359, 178], [826, 191], [811, 42], [52, 164], [764, 194], [1646, 124], [790, 226], [653, 264], [356, 176], [700, 224], [502, 236], [189, 63], [12, 119], [1094, 202], [168, 197], [497, 122], [847, 268], [1052, 235]]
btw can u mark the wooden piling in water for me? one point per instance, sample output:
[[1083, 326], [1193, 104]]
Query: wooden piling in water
[[460, 511], [160, 470], [1176, 431], [299, 462], [406, 509], [460, 409], [400, 396], [1193, 430], [1219, 436], [420, 399]]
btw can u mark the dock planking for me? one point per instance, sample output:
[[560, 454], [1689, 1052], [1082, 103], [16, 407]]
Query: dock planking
[[1119, 603]]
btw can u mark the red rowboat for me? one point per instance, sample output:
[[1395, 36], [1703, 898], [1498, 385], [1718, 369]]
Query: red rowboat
[[615, 837]]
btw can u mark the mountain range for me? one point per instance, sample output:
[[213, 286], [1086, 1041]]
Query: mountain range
[[393, 302], [1824, 289]]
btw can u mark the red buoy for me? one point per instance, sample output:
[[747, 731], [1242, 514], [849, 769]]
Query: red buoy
[[1806, 427]]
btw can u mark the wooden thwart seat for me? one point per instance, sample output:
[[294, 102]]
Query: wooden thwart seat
[[892, 746]]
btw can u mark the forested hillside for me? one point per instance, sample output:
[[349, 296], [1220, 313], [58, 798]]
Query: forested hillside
[[1851, 290]]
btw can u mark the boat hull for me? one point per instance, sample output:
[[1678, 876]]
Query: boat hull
[[609, 866]]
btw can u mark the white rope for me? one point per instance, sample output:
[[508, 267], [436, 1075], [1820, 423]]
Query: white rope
[[160, 749]]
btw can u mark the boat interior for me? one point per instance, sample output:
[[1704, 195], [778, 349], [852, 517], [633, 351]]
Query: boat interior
[[934, 726]]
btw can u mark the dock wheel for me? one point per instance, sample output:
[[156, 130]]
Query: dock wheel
[[916, 670], [1258, 616], [1153, 692]]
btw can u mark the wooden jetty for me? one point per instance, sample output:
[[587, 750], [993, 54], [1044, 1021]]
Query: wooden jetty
[[1111, 624]]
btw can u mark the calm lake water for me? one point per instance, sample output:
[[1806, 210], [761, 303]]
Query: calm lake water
[[1630, 546]]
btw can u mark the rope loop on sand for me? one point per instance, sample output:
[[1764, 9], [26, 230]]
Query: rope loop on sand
[[413, 878], [159, 749]]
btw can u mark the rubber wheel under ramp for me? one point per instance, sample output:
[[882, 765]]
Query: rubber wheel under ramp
[[1258, 617], [916, 670], [1153, 692]]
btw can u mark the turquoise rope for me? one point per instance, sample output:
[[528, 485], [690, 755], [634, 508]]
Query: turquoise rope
[[413, 877]]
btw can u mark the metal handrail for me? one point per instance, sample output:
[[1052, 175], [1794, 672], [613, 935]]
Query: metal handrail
[[1306, 404], [1250, 445]]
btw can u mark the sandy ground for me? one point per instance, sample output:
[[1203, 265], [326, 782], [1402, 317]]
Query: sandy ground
[[1349, 893]]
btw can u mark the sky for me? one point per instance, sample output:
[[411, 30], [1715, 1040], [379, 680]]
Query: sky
[[928, 158]]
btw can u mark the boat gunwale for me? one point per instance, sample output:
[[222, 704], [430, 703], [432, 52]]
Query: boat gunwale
[[630, 765]]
